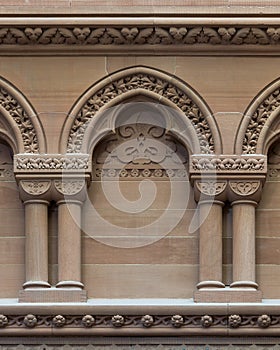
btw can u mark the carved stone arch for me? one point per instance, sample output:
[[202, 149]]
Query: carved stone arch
[[161, 87], [19, 123], [260, 125]]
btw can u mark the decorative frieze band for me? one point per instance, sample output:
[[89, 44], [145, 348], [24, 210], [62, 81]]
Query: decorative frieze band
[[226, 164], [139, 35], [177, 321], [54, 163]]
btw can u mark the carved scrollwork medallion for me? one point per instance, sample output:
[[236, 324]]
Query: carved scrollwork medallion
[[35, 187], [211, 188], [244, 188], [69, 187]]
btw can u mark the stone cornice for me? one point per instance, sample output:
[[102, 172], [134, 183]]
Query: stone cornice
[[143, 35]]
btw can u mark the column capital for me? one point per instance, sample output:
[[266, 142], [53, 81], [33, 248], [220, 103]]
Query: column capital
[[245, 190], [35, 189], [210, 189], [70, 189]]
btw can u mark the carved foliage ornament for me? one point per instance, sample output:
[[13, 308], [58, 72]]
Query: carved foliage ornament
[[48, 162], [146, 82], [244, 188], [23, 121], [258, 120], [211, 188], [35, 187], [227, 164], [136, 35], [146, 321], [69, 187]]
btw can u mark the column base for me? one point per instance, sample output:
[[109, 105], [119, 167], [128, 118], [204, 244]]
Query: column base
[[36, 284], [52, 295], [228, 295]]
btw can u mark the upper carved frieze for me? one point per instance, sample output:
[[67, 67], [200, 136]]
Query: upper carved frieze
[[228, 164], [51, 163], [138, 35]]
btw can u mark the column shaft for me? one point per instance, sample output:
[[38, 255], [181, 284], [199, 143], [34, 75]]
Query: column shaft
[[36, 245], [244, 244], [210, 244], [69, 244]]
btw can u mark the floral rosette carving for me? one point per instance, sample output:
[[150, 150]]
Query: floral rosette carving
[[264, 321], [88, 321], [234, 321], [206, 321], [59, 321], [147, 321], [3, 321], [117, 321], [30, 321], [177, 321]]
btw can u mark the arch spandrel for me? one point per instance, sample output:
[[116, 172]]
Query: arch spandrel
[[156, 85], [260, 124], [26, 133]]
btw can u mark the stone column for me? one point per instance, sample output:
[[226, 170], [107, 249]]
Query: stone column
[[70, 197], [210, 244], [245, 195], [34, 194], [210, 198], [69, 244]]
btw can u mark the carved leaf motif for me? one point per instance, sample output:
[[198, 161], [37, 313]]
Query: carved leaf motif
[[178, 33], [245, 188], [95, 35], [162, 36], [274, 33], [81, 34], [68, 35], [212, 35], [240, 35], [19, 36], [3, 33], [260, 35], [226, 34], [211, 188], [69, 187], [143, 35], [35, 187], [47, 36], [116, 36], [33, 34], [192, 35], [129, 33]]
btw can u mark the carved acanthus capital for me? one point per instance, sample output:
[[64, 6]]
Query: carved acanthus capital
[[247, 189], [34, 189]]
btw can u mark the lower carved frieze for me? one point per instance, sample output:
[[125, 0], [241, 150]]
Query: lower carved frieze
[[182, 346], [117, 321]]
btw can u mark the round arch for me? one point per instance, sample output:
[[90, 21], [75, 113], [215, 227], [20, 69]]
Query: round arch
[[21, 127], [260, 125], [86, 121]]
